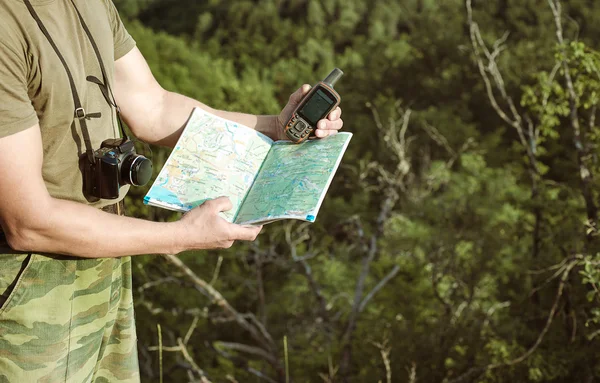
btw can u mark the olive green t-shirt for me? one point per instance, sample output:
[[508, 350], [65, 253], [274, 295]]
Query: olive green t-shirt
[[34, 87]]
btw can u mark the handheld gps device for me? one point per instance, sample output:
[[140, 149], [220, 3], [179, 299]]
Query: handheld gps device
[[316, 105]]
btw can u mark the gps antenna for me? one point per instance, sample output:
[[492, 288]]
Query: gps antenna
[[333, 77]]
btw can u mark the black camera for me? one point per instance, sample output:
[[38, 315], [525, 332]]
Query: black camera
[[114, 165]]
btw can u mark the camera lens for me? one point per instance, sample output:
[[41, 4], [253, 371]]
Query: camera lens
[[136, 170]]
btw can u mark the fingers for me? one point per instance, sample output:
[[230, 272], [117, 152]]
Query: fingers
[[330, 125], [239, 233], [219, 204], [244, 233], [208, 229], [326, 127], [336, 114], [297, 96]]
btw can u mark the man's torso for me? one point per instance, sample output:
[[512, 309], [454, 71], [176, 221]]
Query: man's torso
[[48, 85]]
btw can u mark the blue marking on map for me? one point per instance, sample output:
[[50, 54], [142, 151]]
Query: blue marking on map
[[310, 218], [163, 195], [165, 181]]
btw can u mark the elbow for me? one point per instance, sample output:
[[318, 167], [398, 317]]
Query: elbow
[[23, 232], [147, 123], [25, 226], [20, 239]]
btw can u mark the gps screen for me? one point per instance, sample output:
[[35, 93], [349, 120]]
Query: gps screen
[[318, 105]]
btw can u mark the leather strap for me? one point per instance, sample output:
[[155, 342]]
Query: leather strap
[[79, 113]]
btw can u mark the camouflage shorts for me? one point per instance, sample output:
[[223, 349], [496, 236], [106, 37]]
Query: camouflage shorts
[[66, 320]]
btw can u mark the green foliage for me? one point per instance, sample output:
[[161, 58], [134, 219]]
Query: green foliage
[[475, 243], [591, 277]]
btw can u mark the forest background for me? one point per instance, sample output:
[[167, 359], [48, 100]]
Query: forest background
[[458, 242]]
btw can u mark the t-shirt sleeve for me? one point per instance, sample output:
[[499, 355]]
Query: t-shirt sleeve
[[123, 40], [16, 111]]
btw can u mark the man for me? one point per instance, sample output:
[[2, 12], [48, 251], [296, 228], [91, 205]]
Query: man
[[65, 277]]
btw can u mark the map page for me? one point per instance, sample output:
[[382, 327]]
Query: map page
[[293, 180], [213, 157]]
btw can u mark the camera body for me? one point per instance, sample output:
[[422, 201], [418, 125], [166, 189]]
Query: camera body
[[316, 105], [114, 165]]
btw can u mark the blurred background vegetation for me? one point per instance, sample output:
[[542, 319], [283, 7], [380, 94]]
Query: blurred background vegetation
[[458, 242]]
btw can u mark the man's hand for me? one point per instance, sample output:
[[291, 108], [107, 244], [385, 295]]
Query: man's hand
[[326, 127], [206, 229]]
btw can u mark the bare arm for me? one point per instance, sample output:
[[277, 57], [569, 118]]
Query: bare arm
[[34, 221], [158, 116]]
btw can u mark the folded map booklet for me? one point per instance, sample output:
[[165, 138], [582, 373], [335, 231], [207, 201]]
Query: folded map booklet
[[265, 180]]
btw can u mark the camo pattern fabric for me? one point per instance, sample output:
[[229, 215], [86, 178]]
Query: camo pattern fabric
[[66, 319]]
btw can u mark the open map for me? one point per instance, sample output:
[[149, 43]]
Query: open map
[[264, 180]]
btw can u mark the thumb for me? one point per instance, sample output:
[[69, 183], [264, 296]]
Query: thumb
[[298, 95], [219, 204]]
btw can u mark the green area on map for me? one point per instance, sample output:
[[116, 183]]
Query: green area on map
[[293, 180]]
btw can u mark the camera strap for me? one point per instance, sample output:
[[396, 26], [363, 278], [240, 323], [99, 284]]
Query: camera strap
[[80, 113], [104, 84]]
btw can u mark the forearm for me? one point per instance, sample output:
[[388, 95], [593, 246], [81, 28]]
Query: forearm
[[174, 110], [64, 227]]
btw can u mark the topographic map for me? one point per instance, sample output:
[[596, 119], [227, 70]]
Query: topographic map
[[293, 180], [214, 157], [264, 180]]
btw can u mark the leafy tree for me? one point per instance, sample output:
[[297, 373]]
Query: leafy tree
[[458, 241]]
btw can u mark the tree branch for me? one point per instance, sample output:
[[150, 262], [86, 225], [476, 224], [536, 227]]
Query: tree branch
[[182, 347], [378, 287], [262, 305], [515, 120], [585, 173], [217, 298], [477, 371], [248, 350], [302, 234], [385, 350], [371, 251], [244, 365]]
